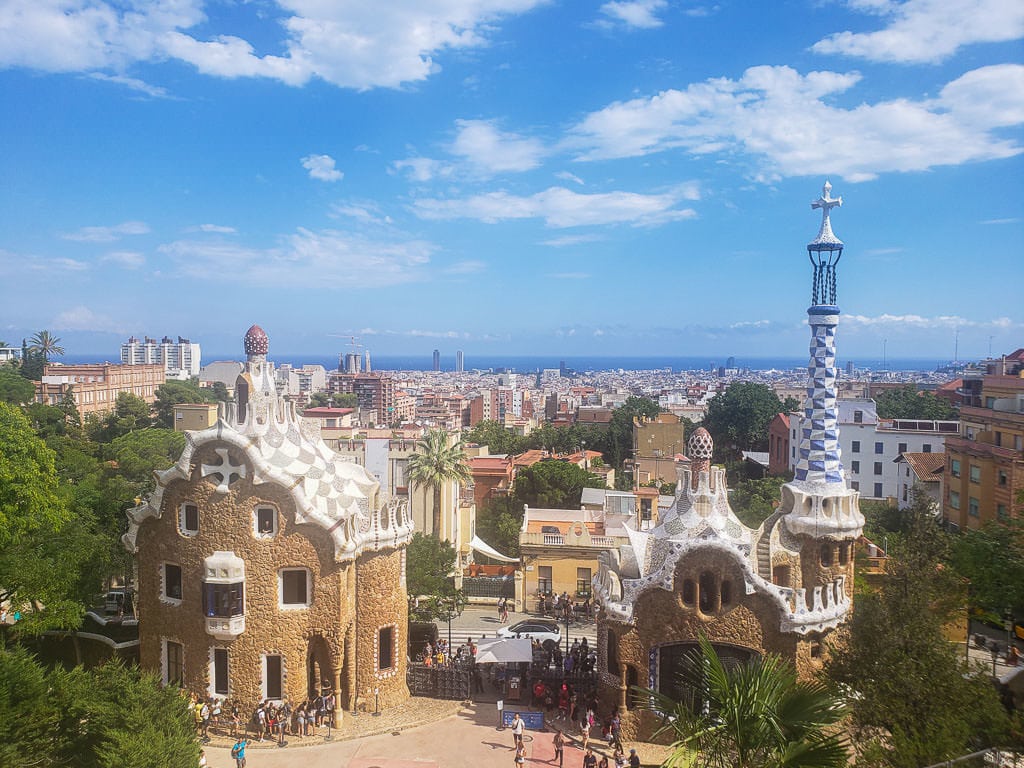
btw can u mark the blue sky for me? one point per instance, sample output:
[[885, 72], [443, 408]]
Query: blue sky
[[511, 176]]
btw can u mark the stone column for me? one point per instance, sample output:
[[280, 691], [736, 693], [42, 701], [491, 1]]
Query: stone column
[[349, 657], [339, 710], [623, 688]]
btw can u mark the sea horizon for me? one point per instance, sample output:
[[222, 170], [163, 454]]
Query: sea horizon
[[579, 363]]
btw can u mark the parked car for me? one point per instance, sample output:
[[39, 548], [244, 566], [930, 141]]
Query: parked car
[[547, 632]]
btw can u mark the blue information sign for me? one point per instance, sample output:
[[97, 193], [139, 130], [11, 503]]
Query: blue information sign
[[532, 720]]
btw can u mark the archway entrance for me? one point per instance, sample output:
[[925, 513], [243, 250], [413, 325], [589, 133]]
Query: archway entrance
[[319, 669], [670, 677]]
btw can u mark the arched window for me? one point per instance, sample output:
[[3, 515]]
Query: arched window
[[632, 679], [612, 652], [708, 596], [688, 592], [726, 590], [844, 553], [826, 554]]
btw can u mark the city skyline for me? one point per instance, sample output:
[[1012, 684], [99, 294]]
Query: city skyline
[[517, 177]]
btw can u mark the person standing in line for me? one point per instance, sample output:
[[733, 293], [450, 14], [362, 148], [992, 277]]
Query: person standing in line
[[590, 759], [517, 730], [559, 743], [634, 759], [238, 752]]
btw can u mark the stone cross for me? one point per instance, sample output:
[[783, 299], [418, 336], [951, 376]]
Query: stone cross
[[826, 203], [227, 471]]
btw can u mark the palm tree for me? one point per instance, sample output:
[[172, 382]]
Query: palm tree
[[46, 345], [752, 715], [435, 463]]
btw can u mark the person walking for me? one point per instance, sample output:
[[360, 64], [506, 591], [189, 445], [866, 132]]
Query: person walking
[[634, 759], [520, 755], [559, 743], [590, 759], [238, 752], [517, 730]]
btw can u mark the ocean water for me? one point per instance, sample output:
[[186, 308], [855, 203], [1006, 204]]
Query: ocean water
[[533, 363]]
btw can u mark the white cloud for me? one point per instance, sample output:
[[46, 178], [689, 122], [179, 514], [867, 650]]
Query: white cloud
[[321, 167], [490, 151], [307, 258], [927, 323], [107, 234], [132, 83], [81, 318], [927, 30], [216, 228], [641, 14], [422, 169], [569, 240], [560, 207], [126, 259], [364, 212], [353, 45], [788, 123], [566, 176], [1010, 220]]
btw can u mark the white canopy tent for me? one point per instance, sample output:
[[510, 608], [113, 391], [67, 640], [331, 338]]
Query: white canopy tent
[[501, 649], [481, 546]]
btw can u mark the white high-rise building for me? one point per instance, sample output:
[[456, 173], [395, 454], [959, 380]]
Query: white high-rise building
[[181, 359]]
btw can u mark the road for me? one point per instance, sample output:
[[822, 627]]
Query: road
[[482, 621]]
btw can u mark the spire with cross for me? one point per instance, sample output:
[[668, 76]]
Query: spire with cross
[[825, 250]]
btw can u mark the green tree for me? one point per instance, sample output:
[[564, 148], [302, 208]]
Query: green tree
[[907, 402], [32, 362], [915, 702], [438, 461], [430, 565], [499, 522], [553, 484], [497, 439], [618, 442], [14, 388], [171, 393], [130, 413], [738, 418], [992, 558], [107, 717], [754, 500], [46, 344], [345, 400], [34, 573], [752, 715], [319, 400], [137, 454]]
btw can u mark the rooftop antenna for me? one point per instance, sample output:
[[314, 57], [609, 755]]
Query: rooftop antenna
[[956, 347]]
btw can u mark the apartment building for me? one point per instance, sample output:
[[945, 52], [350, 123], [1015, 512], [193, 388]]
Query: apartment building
[[181, 359], [95, 387]]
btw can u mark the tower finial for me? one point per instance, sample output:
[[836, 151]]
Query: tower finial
[[825, 250]]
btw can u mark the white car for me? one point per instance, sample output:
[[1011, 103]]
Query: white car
[[547, 632]]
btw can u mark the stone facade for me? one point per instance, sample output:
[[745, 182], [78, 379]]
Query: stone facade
[[780, 589], [266, 566]]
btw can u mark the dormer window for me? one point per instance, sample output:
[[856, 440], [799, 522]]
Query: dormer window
[[265, 522], [188, 519]]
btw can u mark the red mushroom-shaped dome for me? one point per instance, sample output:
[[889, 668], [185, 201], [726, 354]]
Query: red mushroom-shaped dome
[[256, 341], [700, 445]]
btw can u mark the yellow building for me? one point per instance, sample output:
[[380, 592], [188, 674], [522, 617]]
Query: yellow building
[[985, 463], [194, 417], [559, 548]]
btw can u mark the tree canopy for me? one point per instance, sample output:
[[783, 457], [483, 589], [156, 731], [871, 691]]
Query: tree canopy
[[101, 718], [553, 484], [171, 393], [738, 418], [992, 558], [15, 388], [915, 702], [430, 564], [908, 403], [754, 500], [438, 461]]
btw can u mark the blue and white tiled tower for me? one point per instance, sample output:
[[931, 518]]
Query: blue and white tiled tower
[[821, 504]]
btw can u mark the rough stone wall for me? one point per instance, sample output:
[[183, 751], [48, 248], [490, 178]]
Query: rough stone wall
[[226, 523], [661, 617], [382, 601]]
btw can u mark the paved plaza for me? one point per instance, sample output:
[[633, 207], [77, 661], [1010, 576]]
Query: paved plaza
[[468, 739]]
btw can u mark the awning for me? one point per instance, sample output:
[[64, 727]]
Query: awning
[[501, 649], [484, 548]]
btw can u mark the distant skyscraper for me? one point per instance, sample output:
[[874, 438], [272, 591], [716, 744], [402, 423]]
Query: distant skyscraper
[[849, 367], [459, 362], [437, 360], [181, 359], [368, 368], [352, 362], [561, 368], [730, 363]]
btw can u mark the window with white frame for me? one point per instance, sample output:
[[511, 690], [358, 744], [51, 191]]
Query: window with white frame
[[170, 583], [954, 499], [273, 676], [188, 519], [173, 663], [386, 648], [975, 473], [295, 587], [264, 521]]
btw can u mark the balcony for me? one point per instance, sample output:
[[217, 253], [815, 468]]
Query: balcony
[[584, 539]]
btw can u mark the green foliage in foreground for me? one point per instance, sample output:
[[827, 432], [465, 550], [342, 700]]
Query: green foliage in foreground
[[757, 715], [109, 717], [429, 567]]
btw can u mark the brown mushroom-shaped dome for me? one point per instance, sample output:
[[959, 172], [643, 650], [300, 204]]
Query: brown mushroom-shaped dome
[[700, 444], [256, 341]]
